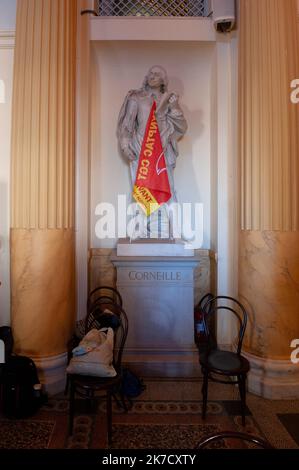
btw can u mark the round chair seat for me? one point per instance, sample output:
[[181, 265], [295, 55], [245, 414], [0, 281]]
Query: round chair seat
[[88, 382], [224, 362]]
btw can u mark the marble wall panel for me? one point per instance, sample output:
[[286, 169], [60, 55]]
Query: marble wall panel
[[269, 287], [43, 298], [102, 271]]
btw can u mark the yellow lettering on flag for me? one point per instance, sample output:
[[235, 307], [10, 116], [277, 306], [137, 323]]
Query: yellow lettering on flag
[[145, 198], [151, 188]]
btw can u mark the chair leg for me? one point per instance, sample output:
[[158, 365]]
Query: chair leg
[[66, 385], [242, 390], [120, 401], [89, 401], [109, 417], [71, 406], [204, 394]]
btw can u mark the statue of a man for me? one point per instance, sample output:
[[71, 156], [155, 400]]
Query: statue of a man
[[133, 118]]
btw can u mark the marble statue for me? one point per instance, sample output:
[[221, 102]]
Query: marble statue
[[134, 115]]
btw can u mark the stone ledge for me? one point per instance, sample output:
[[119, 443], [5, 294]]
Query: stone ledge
[[7, 39], [52, 372], [271, 378]]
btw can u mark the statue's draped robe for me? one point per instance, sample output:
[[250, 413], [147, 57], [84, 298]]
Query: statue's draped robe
[[132, 122]]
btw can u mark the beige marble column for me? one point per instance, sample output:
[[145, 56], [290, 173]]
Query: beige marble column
[[42, 183], [269, 150]]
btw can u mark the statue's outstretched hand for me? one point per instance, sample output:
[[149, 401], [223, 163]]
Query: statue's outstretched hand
[[167, 100], [173, 100], [163, 104]]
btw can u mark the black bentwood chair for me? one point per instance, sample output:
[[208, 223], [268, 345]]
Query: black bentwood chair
[[232, 367], [258, 441], [200, 338], [102, 293], [87, 386]]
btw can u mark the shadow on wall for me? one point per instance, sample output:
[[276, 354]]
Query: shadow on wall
[[189, 161], [195, 128]]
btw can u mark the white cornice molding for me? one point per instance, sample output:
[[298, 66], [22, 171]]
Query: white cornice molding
[[7, 38], [116, 28]]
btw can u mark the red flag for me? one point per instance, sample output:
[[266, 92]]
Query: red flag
[[152, 188]]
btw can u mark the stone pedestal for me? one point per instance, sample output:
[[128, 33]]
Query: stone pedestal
[[158, 297], [153, 247]]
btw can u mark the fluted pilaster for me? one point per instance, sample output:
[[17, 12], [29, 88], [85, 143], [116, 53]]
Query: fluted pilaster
[[269, 149], [43, 118], [42, 178], [269, 122]]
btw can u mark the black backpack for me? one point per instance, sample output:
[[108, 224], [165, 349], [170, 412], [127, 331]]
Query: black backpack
[[131, 385], [7, 338], [21, 387]]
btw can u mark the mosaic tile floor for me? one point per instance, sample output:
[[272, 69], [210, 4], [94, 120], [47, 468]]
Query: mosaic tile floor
[[167, 412]]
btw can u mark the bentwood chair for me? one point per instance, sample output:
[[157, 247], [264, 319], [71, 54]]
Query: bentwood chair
[[226, 367], [101, 293], [199, 333], [258, 441], [87, 386]]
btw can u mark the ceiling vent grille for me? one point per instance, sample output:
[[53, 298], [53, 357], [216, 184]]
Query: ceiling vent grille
[[176, 8]]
